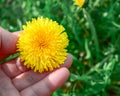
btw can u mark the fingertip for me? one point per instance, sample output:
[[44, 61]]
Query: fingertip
[[57, 78], [68, 61]]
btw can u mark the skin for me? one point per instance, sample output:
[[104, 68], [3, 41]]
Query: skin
[[16, 80]]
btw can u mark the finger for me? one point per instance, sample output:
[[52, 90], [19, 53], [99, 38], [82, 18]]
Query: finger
[[28, 78], [6, 86], [47, 85], [68, 61], [14, 67], [7, 43]]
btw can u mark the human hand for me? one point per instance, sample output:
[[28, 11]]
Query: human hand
[[16, 80]]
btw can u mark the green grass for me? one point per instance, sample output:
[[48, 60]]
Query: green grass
[[94, 34]]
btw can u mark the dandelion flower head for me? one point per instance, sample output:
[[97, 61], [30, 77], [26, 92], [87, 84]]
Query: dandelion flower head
[[79, 2], [42, 44]]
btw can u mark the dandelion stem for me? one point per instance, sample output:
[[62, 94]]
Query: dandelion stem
[[13, 56]]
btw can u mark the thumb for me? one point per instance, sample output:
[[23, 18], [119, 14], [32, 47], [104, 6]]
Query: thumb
[[7, 43]]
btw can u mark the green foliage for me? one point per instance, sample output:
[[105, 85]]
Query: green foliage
[[94, 33]]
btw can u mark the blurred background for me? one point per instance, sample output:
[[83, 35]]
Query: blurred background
[[94, 34]]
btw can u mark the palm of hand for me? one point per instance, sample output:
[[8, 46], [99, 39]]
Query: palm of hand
[[16, 80]]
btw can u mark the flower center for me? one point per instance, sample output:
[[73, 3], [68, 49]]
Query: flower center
[[43, 44]]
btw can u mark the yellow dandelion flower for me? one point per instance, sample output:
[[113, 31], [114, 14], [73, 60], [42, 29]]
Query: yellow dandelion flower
[[79, 2], [42, 45]]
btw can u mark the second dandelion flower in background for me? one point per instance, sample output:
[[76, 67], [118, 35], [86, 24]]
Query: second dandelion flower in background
[[79, 3]]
